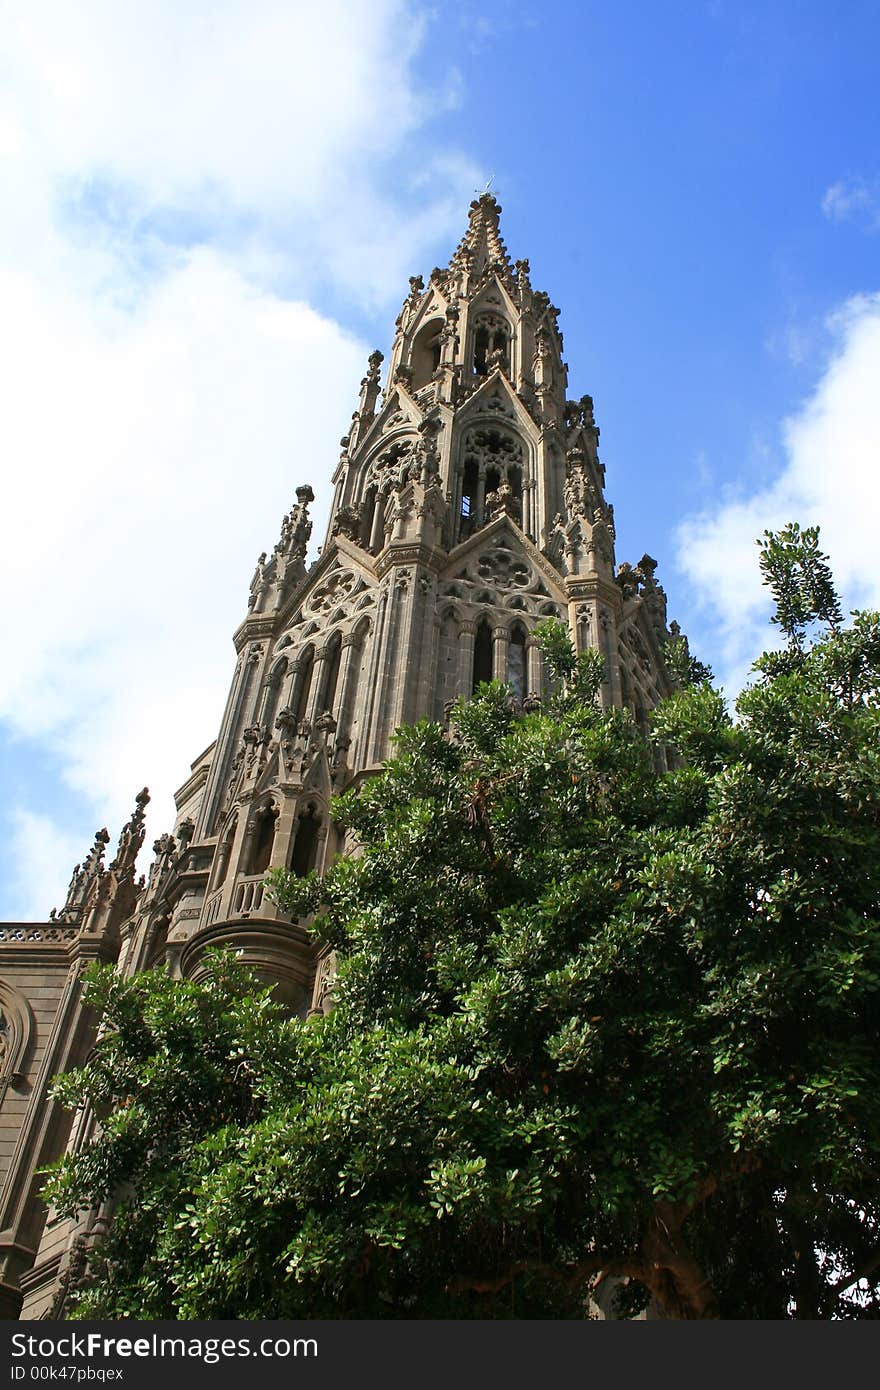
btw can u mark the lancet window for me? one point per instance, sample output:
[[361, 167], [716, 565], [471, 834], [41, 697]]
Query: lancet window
[[493, 464], [426, 353], [304, 855], [263, 840], [491, 344], [483, 662], [386, 472]]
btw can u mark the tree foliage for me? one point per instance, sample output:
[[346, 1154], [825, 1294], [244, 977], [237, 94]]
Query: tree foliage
[[596, 1024]]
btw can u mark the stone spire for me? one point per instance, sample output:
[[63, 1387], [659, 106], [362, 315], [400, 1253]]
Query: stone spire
[[482, 244], [131, 838], [275, 577], [83, 880]]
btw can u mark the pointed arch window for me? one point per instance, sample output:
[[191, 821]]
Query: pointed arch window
[[482, 654], [425, 357], [264, 839], [16, 1031], [493, 467], [491, 343], [304, 855]]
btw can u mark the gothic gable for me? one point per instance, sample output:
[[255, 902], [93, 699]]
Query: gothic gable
[[495, 399], [334, 588], [494, 296], [400, 414], [433, 305], [500, 567]]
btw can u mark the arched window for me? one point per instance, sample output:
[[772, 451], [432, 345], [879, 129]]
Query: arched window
[[16, 1030], [469, 486], [481, 350], [491, 338], [516, 662], [482, 654], [304, 854], [264, 838], [493, 468], [426, 353]]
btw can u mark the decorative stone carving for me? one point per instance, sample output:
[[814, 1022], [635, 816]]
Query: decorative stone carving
[[504, 569], [338, 587]]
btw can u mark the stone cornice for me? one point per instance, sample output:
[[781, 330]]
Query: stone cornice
[[406, 553], [579, 587], [253, 628]]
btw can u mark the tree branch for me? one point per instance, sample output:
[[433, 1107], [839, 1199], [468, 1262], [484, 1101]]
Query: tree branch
[[603, 1265], [867, 1267]]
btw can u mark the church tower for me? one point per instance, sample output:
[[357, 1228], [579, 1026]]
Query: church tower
[[468, 506]]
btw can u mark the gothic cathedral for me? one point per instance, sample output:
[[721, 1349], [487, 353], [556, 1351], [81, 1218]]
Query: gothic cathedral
[[468, 505]]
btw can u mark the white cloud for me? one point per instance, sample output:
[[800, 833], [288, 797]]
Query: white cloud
[[830, 477], [854, 200], [275, 124], [43, 855], [249, 99], [179, 183], [154, 454]]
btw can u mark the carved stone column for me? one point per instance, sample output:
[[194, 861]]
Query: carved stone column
[[607, 646], [350, 660], [530, 523], [294, 694], [500, 648], [377, 532], [454, 495], [319, 680], [480, 499], [466, 634], [221, 864], [534, 667], [321, 848], [268, 700]]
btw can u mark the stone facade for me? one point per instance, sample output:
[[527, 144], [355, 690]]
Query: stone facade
[[469, 505]]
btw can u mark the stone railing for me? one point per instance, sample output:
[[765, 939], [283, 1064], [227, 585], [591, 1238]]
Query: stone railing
[[12, 934], [248, 895], [212, 907]]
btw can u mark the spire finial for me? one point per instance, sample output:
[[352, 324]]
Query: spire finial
[[482, 243], [132, 837]]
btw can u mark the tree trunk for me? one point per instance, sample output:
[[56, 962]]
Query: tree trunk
[[674, 1276]]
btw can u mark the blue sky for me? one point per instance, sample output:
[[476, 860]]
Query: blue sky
[[211, 213]]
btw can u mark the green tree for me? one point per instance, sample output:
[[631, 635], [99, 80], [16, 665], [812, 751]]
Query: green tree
[[593, 1021]]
